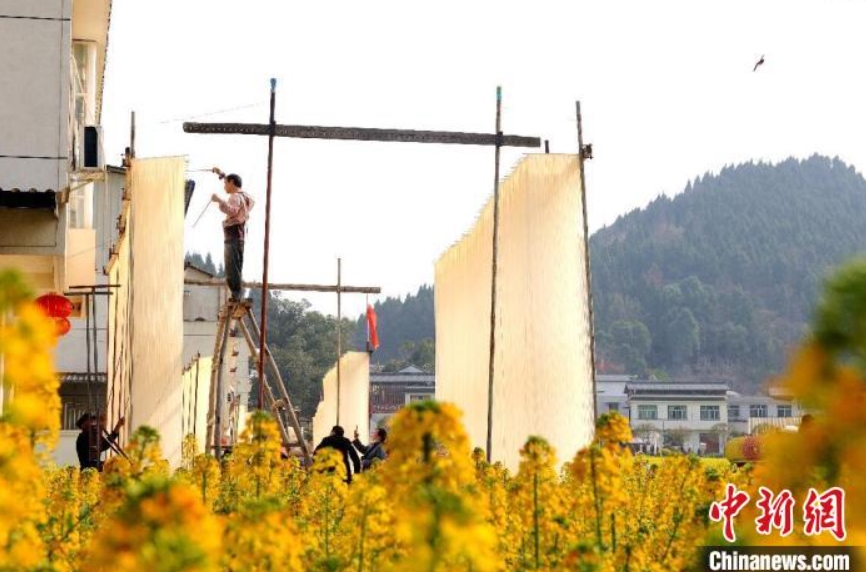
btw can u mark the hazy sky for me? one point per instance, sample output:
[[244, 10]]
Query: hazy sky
[[667, 91]]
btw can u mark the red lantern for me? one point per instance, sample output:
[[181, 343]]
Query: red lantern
[[63, 326], [55, 306]]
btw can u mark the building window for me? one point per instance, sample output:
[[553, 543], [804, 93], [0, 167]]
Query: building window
[[758, 410], [677, 412], [647, 412], [613, 406], [733, 412], [784, 411], [413, 397], [84, 83], [710, 413]]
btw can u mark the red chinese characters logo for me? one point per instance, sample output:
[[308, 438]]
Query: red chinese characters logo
[[729, 507], [776, 512], [825, 512], [821, 512]]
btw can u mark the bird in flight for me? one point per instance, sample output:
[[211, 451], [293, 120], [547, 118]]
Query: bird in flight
[[760, 63]]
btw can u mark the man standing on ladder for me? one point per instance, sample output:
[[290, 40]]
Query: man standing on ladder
[[237, 210]]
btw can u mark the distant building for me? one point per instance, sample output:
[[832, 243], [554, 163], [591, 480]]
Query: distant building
[[690, 416], [746, 413], [693, 416], [391, 391]]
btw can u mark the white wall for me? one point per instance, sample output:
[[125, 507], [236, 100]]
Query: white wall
[[64, 453], [34, 91]]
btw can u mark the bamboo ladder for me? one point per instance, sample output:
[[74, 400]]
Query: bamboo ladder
[[277, 400]]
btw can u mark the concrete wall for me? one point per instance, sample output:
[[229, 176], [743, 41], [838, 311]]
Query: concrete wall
[[35, 67], [543, 372]]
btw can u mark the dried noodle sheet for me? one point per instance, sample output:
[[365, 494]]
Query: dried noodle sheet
[[543, 369], [354, 398]]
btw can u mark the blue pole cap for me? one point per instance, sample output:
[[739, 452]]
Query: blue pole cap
[[498, 93], [273, 83]]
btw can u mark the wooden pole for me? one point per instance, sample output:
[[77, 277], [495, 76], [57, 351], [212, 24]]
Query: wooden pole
[[220, 357], [195, 397], [581, 155], [263, 340], [328, 288], [339, 334], [493, 275], [95, 375]]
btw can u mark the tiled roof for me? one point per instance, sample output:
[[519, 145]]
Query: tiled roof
[[420, 378], [189, 264], [677, 386]]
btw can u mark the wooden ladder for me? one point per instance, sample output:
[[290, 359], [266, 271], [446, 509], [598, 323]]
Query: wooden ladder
[[277, 398]]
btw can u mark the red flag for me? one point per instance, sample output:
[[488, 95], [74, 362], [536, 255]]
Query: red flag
[[372, 334]]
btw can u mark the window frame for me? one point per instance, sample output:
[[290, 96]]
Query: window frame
[[705, 409], [684, 409], [647, 408], [759, 407]]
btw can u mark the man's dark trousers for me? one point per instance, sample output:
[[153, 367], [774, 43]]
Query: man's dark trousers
[[234, 263]]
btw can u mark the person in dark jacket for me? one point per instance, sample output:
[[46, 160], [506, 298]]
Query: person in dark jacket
[[89, 430], [373, 451], [337, 440]]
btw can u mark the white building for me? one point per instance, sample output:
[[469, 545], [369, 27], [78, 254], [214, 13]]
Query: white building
[[747, 413], [67, 220], [57, 201], [610, 393], [52, 61], [691, 416]]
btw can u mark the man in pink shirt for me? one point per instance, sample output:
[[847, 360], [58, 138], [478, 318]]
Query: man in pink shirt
[[237, 210]]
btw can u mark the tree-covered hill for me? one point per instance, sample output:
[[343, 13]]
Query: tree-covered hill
[[721, 279]]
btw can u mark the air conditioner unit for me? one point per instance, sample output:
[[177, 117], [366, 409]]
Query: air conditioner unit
[[90, 155]]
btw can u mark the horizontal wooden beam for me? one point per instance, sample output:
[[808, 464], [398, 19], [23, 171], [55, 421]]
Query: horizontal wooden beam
[[293, 287], [362, 134]]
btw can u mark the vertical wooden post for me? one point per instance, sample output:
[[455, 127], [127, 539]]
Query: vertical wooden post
[[263, 339], [220, 357], [582, 157], [493, 275], [339, 333], [195, 397], [96, 375]]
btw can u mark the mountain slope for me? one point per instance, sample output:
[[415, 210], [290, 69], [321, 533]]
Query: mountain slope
[[719, 280]]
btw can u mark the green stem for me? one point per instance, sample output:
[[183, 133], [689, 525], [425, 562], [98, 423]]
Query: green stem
[[363, 536], [327, 526], [613, 531], [678, 518], [596, 497]]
